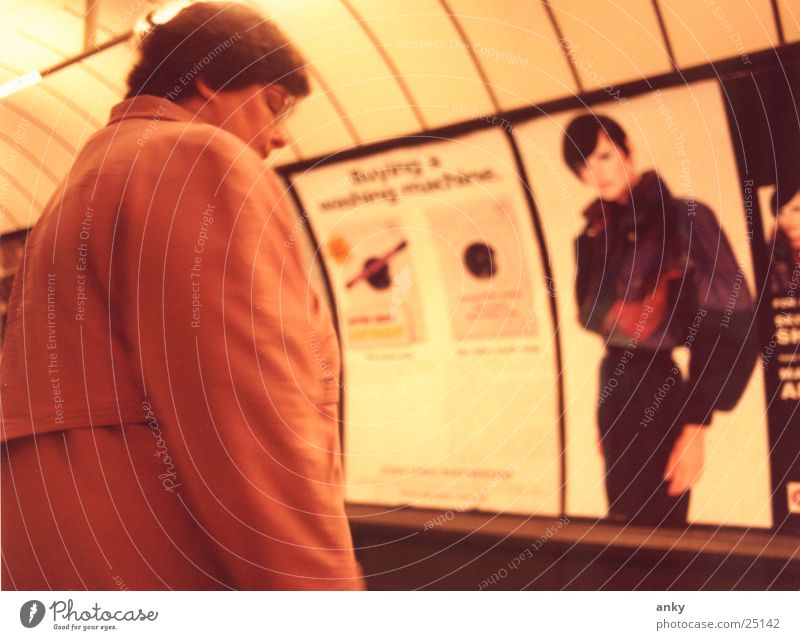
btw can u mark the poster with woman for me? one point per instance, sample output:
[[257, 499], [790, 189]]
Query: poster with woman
[[651, 251]]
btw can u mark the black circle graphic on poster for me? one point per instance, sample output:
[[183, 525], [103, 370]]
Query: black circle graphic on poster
[[480, 260], [378, 271]]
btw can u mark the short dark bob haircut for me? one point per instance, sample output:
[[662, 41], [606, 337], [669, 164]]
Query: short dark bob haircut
[[786, 189], [227, 44], [580, 138]]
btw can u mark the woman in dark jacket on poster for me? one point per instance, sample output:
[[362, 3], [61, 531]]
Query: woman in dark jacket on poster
[[655, 272]]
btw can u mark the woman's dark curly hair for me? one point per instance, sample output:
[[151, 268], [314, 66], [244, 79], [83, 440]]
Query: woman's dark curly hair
[[227, 44], [785, 189]]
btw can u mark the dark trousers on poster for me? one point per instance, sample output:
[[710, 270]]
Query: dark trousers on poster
[[640, 401]]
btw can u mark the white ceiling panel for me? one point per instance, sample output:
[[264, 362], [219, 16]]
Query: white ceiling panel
[[23, 54], [353, 70], [612, 41], [789, 11], [414, 34], [315, 127], [518, 48], [701, 32], [118, 59]]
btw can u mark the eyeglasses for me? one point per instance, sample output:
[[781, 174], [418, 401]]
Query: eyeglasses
[[279, 101]]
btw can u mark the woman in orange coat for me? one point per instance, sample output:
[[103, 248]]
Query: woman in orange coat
[[169, 417]]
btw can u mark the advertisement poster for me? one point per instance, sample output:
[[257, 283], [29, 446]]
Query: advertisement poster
[[650, 242], [450, 382], [769, 161], [782, 351], [490, 291], [380, 305]]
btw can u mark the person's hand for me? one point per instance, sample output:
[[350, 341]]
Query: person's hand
[[686, 460]]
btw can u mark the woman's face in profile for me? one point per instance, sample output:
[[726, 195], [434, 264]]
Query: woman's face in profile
[[789, 220], [609, 170], [253, 113]]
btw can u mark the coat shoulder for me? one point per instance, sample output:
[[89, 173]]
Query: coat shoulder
[[199, 139]]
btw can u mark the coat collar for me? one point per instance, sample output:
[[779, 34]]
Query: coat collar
[[650, 192], [648, 199], [149, 107]]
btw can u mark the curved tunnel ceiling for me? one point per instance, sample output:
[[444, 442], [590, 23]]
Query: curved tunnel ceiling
[[379, 69]]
